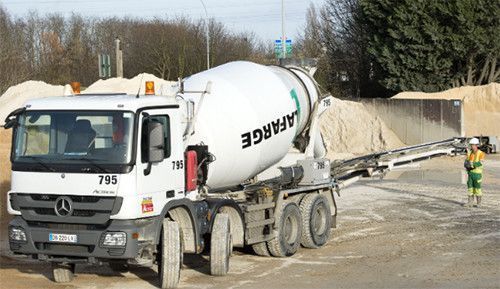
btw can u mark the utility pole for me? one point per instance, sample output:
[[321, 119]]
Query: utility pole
[[283, 36], [119, 58], [207, 28]]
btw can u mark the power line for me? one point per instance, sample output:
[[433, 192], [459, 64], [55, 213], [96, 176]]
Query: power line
[[246, 5], [173, 10], [249, 14]]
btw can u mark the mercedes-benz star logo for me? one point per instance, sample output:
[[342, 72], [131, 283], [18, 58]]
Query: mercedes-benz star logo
[[63, 207]]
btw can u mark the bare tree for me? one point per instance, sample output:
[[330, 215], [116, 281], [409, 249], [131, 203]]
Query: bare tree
[[59, 49], [310, 42]]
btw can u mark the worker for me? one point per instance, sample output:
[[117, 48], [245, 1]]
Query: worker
[[474, 166]]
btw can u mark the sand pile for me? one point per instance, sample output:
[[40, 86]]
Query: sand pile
[[5, 137], [129, 86], [489, 91], [481, 106], [348, 127], [17, 95]]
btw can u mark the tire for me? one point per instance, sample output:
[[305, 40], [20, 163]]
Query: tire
[[261, 249], [296, 198], [289, 231], [170, 255], [316, 220], [221, 245], [119, 266], [63, 273]]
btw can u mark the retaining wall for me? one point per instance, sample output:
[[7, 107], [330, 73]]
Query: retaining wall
[[417, 121]]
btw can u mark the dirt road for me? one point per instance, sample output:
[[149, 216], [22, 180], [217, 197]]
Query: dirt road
[[407, 231]]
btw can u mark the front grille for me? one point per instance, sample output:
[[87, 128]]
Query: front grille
[[76, 213], [65, 226], [82, 213], [79, 199], [64, 248], [85, 209], [43, 197], [44, 211]]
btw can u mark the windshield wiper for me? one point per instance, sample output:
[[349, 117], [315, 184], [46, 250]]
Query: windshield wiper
[[38, 160], [92, 162]]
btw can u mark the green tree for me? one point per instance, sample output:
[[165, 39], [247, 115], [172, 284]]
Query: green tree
[[433, 45]]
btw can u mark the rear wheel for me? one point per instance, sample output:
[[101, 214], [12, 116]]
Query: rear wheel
[[170, 255], [316, 220], [289, 231], [63, 273], [221, 245], [261, 249]]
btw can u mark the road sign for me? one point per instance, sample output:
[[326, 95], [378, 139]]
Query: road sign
[[288, 44], [278, 48], [104, 65]]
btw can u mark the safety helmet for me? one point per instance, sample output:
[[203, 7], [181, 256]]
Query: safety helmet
[[474, 141]]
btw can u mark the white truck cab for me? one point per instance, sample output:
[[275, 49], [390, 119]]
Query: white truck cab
[[86, 162]]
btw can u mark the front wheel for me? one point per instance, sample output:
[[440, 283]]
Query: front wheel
[[63, 273], [221, 245], [170, 255]]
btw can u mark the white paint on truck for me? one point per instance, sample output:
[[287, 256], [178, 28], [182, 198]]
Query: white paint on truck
[[250, 118]]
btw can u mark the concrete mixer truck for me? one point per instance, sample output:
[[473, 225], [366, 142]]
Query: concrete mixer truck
[[231, 156]]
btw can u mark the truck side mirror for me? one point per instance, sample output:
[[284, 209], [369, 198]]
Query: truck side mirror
[[156, 142], [10, 123], [11, 119]]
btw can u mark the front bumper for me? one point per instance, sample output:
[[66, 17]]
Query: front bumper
[[141, 235]]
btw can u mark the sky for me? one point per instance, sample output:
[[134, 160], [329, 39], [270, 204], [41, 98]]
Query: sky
[[263, 17]]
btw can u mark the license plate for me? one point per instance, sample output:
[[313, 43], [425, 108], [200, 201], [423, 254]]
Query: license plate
[[63, 238]]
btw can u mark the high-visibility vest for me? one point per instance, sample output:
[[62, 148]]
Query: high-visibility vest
[[478, 156]]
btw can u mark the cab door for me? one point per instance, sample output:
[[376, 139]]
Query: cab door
[[161, 181]]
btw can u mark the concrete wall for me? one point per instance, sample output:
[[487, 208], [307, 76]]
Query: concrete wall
[[417, 121]]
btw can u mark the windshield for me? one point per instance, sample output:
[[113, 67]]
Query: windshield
[[74, 137]]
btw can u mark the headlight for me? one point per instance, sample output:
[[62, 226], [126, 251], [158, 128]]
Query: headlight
[[115, 239], [17, 234]]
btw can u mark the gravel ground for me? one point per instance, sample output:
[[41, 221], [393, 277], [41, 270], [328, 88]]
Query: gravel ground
[[407, 231]]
